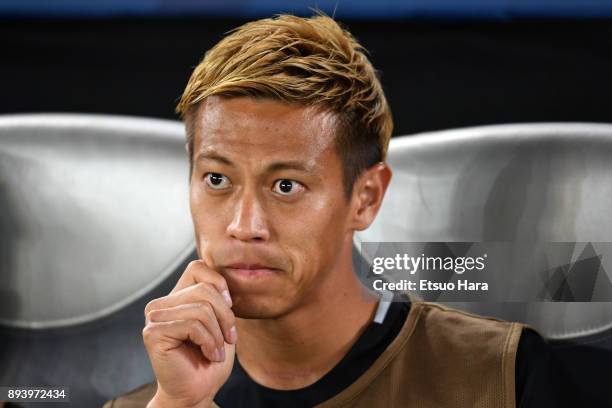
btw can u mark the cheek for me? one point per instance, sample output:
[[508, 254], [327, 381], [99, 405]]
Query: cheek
[[198, 211], [194, 201], [313, 239], [205, 209], [208, 219]]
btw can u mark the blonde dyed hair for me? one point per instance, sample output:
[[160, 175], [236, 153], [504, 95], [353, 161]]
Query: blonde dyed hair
[[304, 61]]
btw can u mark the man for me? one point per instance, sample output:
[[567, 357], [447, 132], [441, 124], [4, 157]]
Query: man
[[287, 129]]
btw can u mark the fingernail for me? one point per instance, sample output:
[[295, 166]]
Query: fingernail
[[227, 297], [233, 335]]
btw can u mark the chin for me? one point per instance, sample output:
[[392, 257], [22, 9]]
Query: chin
[[257, 307]]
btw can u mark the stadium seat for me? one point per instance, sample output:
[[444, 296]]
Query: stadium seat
[[95, 223], [519, 183]]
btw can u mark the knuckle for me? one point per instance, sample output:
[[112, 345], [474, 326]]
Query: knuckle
[[205, 290], [205, 274], [150, 306], [208, 309], [208, 314], [204, 286], [220, 282], [148, 333], [201, 335], [195, 326], [152, 315], [204, 307], [194, 267]]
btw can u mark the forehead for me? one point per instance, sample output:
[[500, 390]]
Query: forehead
[[263, 127]]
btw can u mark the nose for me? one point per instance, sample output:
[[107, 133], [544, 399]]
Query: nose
[[249, 219]]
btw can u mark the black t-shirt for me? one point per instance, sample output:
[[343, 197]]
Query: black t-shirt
[[534, 371]]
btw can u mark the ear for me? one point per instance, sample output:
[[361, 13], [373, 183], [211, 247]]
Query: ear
[[368, 193]]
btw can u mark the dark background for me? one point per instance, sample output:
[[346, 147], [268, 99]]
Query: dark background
[[436, 74]]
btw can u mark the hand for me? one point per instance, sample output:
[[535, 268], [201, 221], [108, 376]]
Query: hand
[[190, 337]]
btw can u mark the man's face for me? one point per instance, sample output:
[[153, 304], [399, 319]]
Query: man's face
[[267, 201]]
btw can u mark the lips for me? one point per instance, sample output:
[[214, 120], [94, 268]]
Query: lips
[[250, 270], [249, 266]]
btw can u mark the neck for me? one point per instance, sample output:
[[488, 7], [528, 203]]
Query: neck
[[297, 349]]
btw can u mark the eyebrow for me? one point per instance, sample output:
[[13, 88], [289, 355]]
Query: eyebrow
[[215, 157], [277, 166]]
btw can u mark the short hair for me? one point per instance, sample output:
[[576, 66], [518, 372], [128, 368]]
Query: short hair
[[305, 61]]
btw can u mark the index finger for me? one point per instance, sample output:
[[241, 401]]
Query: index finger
[[197, 271]]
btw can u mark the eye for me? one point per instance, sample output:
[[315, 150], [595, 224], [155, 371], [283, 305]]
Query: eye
[[217, 181], [287, 187]]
